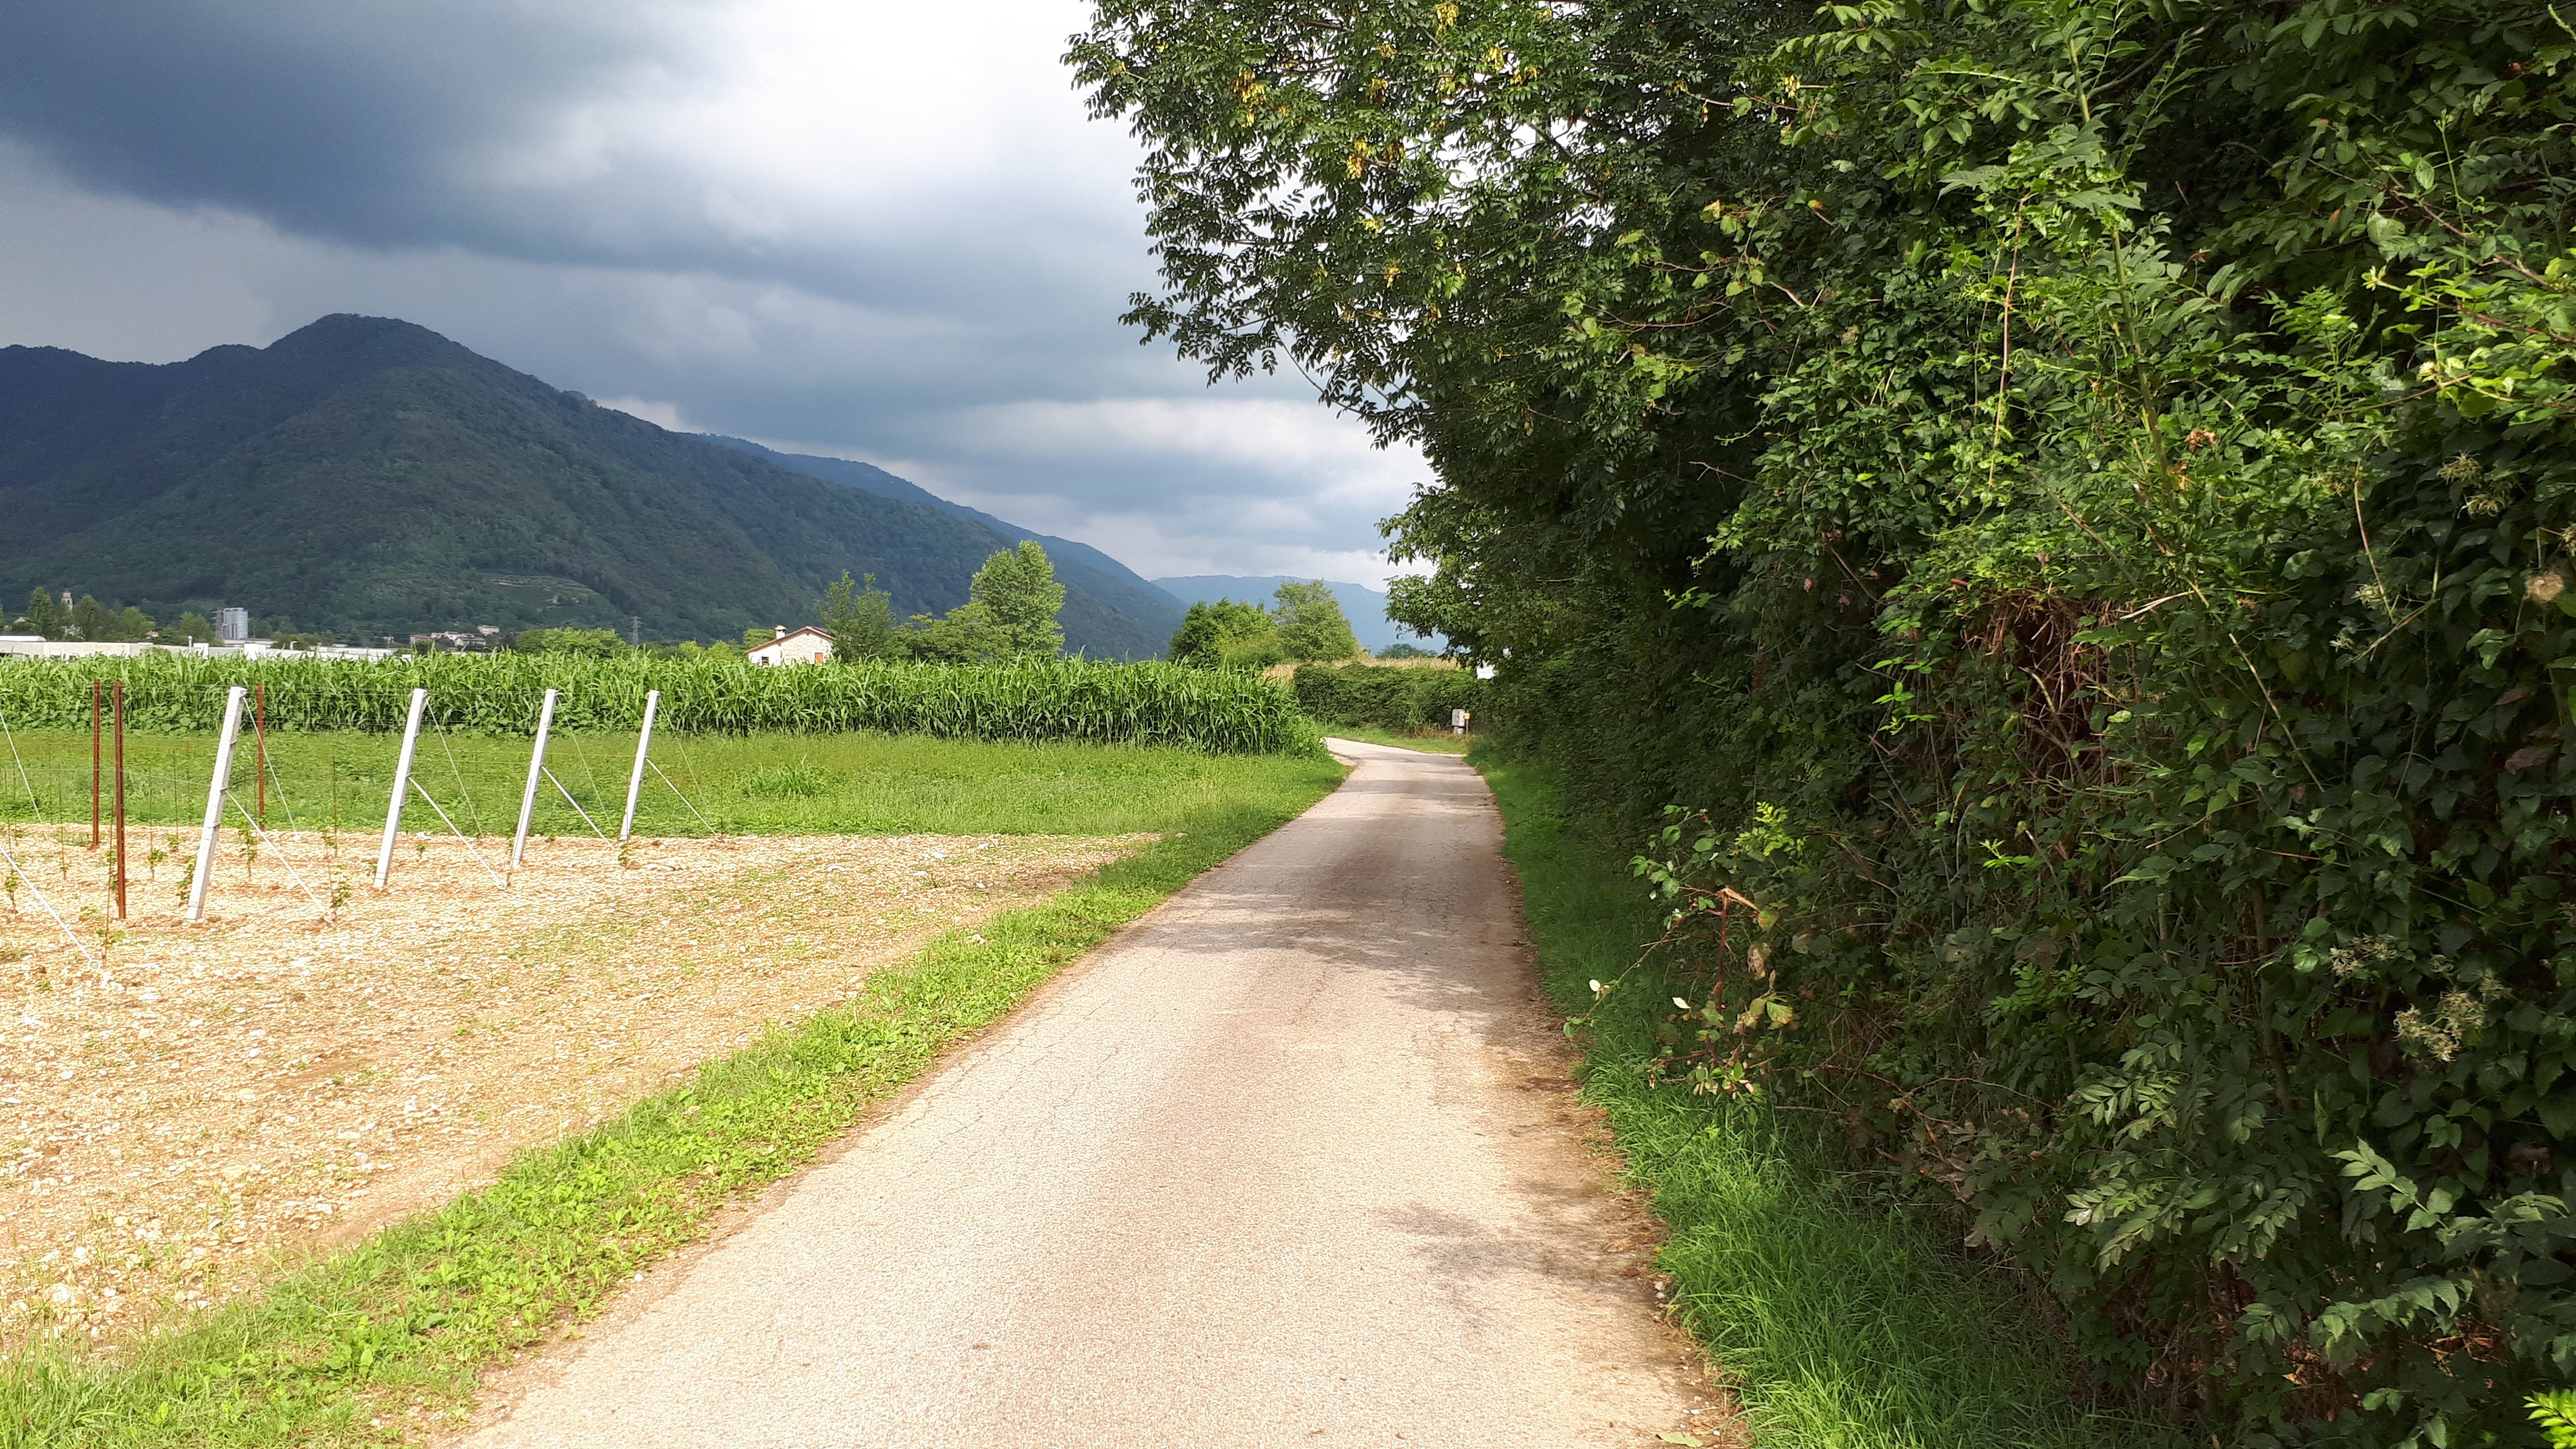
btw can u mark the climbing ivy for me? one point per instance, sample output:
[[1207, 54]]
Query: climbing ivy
[[2051, 523]]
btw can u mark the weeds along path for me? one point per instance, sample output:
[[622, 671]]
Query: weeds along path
[[1293, 1162]]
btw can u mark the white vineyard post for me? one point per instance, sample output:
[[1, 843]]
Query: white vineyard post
[[635, 782], [536, 772], [215, 805], [402, 786]]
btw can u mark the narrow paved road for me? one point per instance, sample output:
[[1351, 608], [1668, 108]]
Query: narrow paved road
[[1290, 1163]]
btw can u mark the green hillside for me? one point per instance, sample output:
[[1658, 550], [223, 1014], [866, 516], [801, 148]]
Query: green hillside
[[369, 477]]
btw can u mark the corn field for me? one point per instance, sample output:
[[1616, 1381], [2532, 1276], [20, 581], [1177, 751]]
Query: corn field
[[1077, 700]]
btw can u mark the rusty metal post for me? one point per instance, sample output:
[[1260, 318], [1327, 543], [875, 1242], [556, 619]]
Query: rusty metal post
[[120, 799], [94, 768]]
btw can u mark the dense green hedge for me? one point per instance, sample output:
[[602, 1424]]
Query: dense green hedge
[[1397, 699], [1146, 704], [2072, 507]]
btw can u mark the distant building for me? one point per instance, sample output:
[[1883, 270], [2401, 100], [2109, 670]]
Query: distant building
[[36, 646], [456, 639], [232, 625], [33, 646], [807, 645]]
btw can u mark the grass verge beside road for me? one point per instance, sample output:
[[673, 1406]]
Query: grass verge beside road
[[1839, 1323], [381, 1342]]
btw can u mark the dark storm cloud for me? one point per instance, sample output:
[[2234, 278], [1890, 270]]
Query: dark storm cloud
[[408, 125], [340, 120], [881, 230]]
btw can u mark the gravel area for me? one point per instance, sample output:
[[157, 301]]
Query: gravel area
[[187, 1109]]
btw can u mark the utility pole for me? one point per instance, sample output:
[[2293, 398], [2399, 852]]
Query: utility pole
[[635, 631]]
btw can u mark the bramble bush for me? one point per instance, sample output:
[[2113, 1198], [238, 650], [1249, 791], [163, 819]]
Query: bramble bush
[[2051, 522]]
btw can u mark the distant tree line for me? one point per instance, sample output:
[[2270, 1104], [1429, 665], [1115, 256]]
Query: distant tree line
[[87, 619], [1303, 623], [1010, 613]]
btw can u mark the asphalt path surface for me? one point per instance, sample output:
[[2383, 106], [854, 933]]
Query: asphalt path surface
[[1292, 1161]]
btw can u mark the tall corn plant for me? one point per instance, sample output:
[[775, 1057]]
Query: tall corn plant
[[1141, 704]]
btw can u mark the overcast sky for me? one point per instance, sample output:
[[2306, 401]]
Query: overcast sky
[[877, 230]]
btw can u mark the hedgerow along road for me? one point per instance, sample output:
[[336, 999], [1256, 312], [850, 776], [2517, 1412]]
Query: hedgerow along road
[[1291, 1162]]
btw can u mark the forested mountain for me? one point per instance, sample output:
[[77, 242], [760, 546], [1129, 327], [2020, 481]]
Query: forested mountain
[[1104, 601], [370, 477]]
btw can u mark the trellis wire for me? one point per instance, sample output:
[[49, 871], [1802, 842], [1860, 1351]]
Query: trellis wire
[[38, 892], [32, 802], [280, 852], [576, 805], [461, 835], [456, 770], [684, 799]]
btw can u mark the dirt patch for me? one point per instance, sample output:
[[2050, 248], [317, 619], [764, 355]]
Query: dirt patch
[[192, 1106]]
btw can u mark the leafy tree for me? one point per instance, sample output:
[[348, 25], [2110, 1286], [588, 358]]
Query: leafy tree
[[91, 620], [44, 616], [1405, 649], [193, 627], [1311, 623], [1010, 613], [130, 625], [755, 636], [579, 643], [967, 634], [1017, 588], [860, 619], [2080, 496], [1226, 635], [692, 649]]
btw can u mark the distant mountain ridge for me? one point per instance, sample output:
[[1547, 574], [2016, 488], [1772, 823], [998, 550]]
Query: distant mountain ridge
[[1366, 607], [370, 477]]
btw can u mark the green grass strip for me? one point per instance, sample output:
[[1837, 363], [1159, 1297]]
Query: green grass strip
[[1839, 1323], [375, 1344]]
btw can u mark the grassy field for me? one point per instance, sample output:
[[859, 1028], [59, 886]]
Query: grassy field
[[756, 784], [383, 1342], [1840, 1324]]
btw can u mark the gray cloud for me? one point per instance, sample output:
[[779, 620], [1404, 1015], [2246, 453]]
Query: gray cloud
[[553, 132], [343, 120], [882, 231]]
